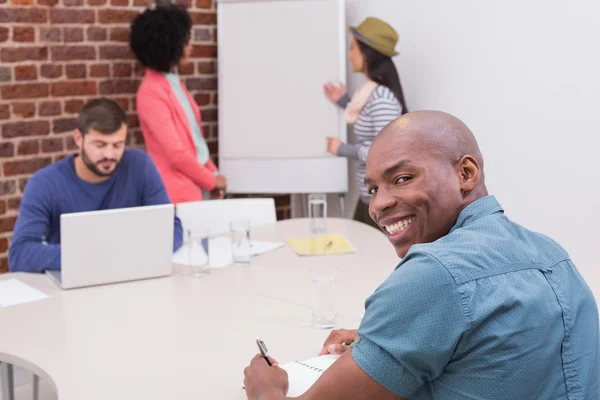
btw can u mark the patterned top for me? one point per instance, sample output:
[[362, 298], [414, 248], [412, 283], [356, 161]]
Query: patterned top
[[381, 109]]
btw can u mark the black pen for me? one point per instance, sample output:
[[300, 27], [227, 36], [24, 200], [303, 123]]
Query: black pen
[[263, 351]]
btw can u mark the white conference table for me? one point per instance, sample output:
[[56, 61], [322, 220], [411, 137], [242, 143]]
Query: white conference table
[[182, 337]]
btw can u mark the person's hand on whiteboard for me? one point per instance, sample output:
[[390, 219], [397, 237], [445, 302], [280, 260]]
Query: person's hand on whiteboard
[[333, 144], [221, 182], [334, 92]]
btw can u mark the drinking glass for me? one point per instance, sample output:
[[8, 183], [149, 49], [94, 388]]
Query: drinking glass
[[324, 297], [198, 254], [317, 213], [241, 248]]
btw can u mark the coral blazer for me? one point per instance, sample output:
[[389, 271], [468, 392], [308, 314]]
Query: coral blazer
[[169, 141]]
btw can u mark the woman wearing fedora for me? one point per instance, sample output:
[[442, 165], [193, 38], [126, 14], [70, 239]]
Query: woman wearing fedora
[[377, 102]]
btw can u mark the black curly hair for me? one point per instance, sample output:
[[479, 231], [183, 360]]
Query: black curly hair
[[159, 35]]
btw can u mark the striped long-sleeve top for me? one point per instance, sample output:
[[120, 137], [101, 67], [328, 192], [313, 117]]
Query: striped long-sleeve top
[[381, 109]]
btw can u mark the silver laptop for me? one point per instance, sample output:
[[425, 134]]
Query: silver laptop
[[119, 245]]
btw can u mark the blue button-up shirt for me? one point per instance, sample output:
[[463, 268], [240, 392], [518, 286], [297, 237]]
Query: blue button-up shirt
[[489, 311]]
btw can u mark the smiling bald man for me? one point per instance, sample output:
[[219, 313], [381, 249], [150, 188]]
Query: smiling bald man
[[478, 308]]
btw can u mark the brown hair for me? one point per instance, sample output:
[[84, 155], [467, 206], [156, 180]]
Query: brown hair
[[103, 115]]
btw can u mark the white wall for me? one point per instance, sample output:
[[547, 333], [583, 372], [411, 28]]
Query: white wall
[[524, 75]]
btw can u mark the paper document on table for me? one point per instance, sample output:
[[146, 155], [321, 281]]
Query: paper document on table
[[14, 292], [264, 247], [321, 245], [303, 374], [219, 249]]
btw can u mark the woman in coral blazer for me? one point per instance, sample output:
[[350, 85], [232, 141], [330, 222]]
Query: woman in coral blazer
[[169, 116]]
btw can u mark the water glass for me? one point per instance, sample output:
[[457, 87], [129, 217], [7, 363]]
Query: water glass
[[198, 254], [324, 298], [241, 248], [317, 212]]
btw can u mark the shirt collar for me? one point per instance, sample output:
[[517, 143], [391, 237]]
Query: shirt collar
[[482, 207]]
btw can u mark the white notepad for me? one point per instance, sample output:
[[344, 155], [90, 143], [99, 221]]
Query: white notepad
[[14, 292], [303, 374]]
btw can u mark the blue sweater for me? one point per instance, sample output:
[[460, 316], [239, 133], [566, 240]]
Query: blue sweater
[[57, 190]]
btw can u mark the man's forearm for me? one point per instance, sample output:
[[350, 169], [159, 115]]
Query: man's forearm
[[33, 257]]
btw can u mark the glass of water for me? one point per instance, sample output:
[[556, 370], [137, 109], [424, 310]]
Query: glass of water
[[317, 212], [324, 297], [241, 248], [198, 254]]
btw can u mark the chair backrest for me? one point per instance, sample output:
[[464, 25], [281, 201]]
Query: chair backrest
[[216, 214]]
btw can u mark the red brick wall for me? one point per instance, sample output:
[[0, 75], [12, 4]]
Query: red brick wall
[[57, 54]]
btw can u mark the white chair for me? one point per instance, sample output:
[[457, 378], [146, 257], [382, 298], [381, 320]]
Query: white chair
[[36, 387], [216, 214], [7, 381]]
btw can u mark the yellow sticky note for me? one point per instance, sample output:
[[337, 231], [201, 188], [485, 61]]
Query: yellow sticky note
[[321, 245]]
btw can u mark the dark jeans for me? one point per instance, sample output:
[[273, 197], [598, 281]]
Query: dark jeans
[[362, 215]]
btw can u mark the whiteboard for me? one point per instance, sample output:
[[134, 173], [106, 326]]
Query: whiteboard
[[274, 57], [524, 76]]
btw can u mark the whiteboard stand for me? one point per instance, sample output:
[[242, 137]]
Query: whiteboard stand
[[305, 204], [342, 205]]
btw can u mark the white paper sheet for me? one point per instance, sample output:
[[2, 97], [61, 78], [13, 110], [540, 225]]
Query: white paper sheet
[[14, 292], [264, 247], [219, 249], [303, 374]]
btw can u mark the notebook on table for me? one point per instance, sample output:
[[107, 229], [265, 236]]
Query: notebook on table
[[303, 374], [323, 245]]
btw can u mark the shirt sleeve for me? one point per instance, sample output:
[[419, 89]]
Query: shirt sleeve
[[154, 193], [343, 101], [29, 252], [348, 150], [412, 324]]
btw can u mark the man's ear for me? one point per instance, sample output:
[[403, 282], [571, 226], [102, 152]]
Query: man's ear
[[469, 173], [78, 138]]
